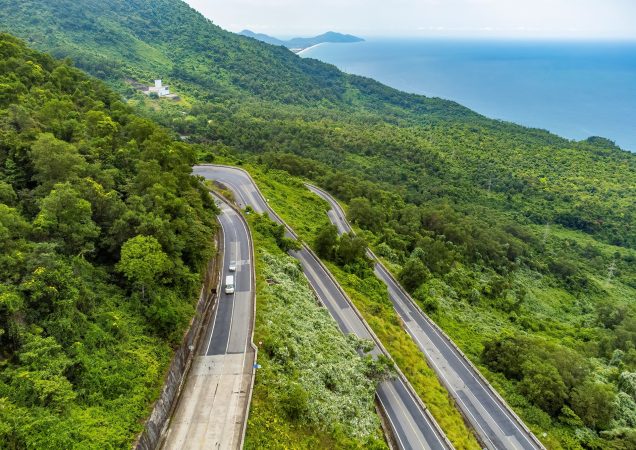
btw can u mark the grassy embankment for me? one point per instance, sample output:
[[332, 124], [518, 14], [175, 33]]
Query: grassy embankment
[[550, 314], [312, 390], [370, 296]]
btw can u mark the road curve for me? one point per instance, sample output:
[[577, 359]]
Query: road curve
[[412, 424], [213, 406], [494, 421]]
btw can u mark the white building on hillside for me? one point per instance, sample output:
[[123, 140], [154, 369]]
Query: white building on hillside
[[159, 89]]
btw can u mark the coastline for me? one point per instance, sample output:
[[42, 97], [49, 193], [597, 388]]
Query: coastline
[[299, 53], [532, 90]]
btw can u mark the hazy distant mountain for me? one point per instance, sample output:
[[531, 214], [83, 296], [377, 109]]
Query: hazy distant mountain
[[263, 37], [302, 43]]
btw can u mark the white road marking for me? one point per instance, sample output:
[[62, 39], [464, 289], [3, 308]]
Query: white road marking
[[333, 302], [217, 309], [232, 298], [409, 419], [345, 225], [392, 424]]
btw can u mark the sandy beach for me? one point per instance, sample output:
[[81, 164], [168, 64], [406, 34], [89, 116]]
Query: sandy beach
[[308, 48]]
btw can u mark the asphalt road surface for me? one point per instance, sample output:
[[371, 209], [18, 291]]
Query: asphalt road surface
[[495, 423], [214, 403], [413, 427], [231, 327]]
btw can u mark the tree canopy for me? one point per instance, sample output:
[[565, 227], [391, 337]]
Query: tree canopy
[[96, 204]]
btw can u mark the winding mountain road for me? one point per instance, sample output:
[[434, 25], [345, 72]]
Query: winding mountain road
[[412, 424], [214, 404], [494, 421]]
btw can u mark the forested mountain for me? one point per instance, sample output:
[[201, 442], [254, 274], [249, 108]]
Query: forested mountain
[[142, 40], [256, 98], [262, 37], [104, 236], [521, 244], [302, 43]]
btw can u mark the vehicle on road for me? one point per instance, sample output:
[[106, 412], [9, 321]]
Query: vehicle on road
[[232, 266], [414, 426], [229, 284]]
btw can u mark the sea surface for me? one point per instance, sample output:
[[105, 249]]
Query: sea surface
[[575, 89]]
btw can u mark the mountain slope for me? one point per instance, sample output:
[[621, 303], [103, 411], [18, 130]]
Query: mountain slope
[[166, 38], [104, 238], [519, 242]]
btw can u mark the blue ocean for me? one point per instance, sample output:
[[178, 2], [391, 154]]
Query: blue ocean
[[574, 89]]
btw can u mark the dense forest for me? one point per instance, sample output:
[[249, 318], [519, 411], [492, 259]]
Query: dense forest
[[546, 313], [519, 243], [104, 237]]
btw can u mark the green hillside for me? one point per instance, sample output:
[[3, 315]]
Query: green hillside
[[104, 237], [521, 244], [256, 98], [143, 39]]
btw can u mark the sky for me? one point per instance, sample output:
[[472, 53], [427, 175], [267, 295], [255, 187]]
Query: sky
[[575, 19]]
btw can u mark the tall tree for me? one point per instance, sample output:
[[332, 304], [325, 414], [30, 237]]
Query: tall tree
[[326, 242], [143, 261], [54, 161], [66, 218]]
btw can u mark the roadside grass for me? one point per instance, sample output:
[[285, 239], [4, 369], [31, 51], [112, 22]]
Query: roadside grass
[[301, 344], [300, 208], [306, 214]]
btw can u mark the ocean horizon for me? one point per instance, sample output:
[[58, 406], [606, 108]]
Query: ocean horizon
[[575, 89]]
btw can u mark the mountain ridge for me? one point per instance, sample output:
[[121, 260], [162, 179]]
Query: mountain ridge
[[298, 44]]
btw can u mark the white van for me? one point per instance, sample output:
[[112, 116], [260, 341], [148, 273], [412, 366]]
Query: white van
[[229, 284]]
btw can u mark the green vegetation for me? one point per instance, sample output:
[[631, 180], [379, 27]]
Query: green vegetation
[[355, 275], [553, 329], [313, 390], [371, 298], [507, 236], [103, 236]]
